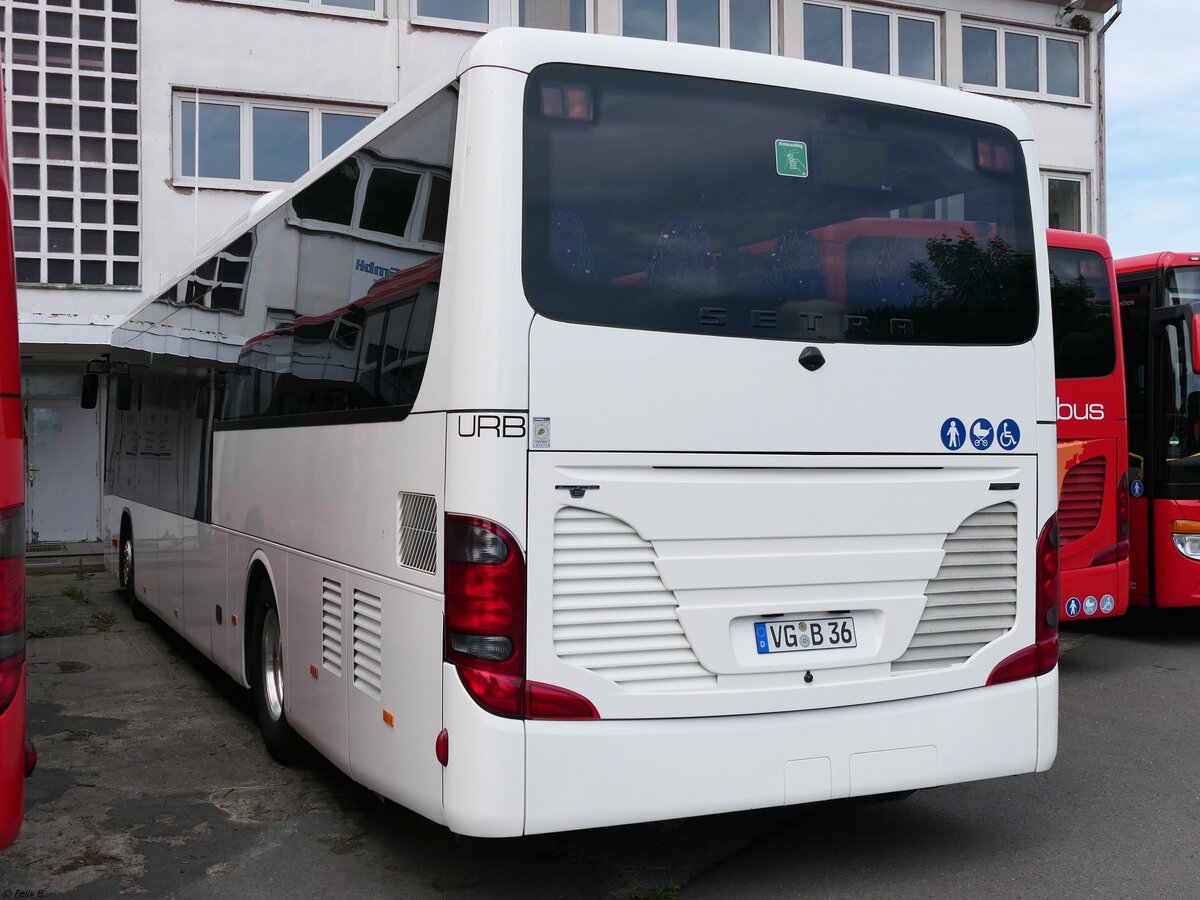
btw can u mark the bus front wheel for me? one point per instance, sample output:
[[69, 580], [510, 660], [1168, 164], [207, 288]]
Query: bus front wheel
[[266, 677], [126, 577]]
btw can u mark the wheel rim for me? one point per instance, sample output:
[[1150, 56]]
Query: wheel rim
[[126, 562], [272, 665]]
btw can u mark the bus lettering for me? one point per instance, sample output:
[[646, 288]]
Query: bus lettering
[[481, 424], [1080, 412]]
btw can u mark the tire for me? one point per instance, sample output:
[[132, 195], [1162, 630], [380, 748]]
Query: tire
[[125, 572], [266, 677]]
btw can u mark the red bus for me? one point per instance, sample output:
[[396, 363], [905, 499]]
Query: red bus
[[1160, 316], [16, 754], [1093, 504]]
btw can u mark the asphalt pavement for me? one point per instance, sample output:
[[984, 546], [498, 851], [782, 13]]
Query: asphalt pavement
[[152, 780]]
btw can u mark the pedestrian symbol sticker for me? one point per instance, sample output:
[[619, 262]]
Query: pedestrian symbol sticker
[[791, 158], [1008, 435], [1136, 488], [953, 433], [1073, 607], [1089, 606], [981, 434], [1107, 604]]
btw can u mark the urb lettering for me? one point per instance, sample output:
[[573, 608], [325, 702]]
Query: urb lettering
[[1080, 412], [487, 425]]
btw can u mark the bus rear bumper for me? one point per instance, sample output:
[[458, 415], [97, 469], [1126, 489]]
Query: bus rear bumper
[[586, 774], [571, 775]]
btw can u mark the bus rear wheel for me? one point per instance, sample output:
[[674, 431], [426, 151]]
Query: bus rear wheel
[[267, 678]]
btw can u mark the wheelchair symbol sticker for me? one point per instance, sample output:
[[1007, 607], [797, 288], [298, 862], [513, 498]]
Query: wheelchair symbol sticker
[[1073, 607], [1008, 434], [1107, 604], [981, 434], [1136, 488]]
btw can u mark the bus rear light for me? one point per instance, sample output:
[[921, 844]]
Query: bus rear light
[[12, 602], [548, 701], [441, 747], [1042, 655], [1114, 553], [1123, 506], [30, 757], [485, 625]]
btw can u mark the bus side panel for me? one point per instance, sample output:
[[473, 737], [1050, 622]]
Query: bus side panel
[[394, 728], [144, 521], [315, 671]]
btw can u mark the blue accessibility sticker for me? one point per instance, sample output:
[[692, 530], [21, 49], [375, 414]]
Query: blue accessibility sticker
[[1107, 604], [1008, 434], [1073, 607], [981, 434], [1089, 606], [1136, 488], [954, 433]]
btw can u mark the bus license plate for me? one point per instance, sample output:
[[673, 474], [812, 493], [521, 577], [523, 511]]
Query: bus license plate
[[787, 636]]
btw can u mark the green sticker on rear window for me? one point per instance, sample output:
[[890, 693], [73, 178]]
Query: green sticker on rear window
[[791, 158]]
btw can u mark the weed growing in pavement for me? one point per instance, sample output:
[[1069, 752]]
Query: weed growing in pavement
[[81, 575], [77, 594], [667, 891], [53, 631], [104, 620]]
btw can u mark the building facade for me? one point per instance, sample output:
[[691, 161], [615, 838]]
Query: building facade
[[140, 129]]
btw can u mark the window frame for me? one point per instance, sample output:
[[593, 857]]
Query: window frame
[[314, 7], [893, 16], [501, 13], [246, 106], [723, 27], [1042, 93], [1080, 178]]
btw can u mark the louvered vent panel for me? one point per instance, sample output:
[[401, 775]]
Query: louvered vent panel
[[368, 643], [416, 526], [1081, 500], [612, 613], [331, 626], [973, 598]]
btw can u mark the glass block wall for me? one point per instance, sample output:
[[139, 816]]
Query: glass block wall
[[71, 92]]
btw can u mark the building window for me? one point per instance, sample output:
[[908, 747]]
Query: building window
[[739, 24], [1022, 62], [1065, 201], [257, 144], [873, 40], [558, 15], [72, 70]]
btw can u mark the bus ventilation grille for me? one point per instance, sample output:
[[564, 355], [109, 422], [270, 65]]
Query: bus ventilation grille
[[416, 524], [368, 643], [612, 614], [331, 626], [1080, 501], [973, 598]]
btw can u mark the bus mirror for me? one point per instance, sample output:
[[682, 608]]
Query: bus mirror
[[91, 390], [124, 393], [1196, 343]]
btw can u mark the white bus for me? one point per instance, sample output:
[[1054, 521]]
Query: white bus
[[617, 431]]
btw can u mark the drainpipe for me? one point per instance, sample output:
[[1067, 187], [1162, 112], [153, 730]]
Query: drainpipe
[[1101, 130]]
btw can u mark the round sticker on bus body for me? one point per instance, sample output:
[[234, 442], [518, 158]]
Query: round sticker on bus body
[[1073, 607], [1008, 434], [953, 433], [981, 434], [1107, 604], [1137, 487]]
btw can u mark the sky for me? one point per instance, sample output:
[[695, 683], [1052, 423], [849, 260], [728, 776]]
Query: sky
[[1152, 77]]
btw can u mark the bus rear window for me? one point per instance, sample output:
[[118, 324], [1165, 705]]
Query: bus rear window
[[1084, 346], [690, 205]]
